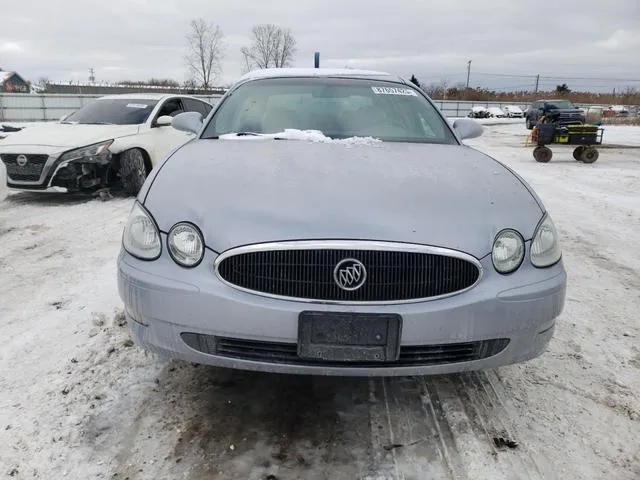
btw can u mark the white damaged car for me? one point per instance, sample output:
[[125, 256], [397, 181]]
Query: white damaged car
[[114, 140]]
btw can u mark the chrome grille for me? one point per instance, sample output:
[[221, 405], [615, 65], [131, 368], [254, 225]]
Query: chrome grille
[[30, 172], [401, 273]]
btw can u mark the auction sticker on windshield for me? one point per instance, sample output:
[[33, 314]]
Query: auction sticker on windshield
[[136, 105], [393, 91]]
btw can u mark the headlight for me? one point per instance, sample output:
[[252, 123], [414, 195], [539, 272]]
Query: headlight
[[545, 247], [186, 245], [97, 151], [508, 251], [141, 237]]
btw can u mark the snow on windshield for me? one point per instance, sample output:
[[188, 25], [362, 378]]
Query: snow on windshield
[[339, 108], [315, 136]]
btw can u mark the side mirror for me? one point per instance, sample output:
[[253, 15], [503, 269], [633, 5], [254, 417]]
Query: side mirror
[[190, 122], [164, 121], [467, 128]]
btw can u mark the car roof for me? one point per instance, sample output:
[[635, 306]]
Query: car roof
[[318, 72], [143, 96]]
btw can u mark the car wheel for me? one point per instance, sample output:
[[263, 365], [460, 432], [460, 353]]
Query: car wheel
[[577, 153], [529, 124], [589, 155], [133, 171], [542, 154]]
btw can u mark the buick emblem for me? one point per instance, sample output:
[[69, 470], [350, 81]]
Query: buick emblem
[[21, 160], [350, 274]]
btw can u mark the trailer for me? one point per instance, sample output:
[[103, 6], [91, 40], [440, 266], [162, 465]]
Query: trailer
[[586, 137]]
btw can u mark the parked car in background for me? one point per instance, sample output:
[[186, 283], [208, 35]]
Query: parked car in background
[[332, 222], [593, 115], [562, 112], [116, 139], [513, 111], [496, 112], [620, 111], [479, 112]]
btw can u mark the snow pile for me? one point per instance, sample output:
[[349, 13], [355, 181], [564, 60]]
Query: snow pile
[[627, 135], [315, 136]]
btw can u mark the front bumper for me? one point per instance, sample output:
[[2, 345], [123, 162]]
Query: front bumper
[[520, 309], [71, 175]]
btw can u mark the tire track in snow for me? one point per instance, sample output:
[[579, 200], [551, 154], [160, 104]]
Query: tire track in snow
[[410, 438], [473, 406]]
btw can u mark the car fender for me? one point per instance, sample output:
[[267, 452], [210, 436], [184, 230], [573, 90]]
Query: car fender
[[141, 142], [122, 144], [142, 195]]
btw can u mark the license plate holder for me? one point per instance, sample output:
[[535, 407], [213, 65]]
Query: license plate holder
[[349, 337]]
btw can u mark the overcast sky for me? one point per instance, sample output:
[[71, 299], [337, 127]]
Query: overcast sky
[[139, 39]]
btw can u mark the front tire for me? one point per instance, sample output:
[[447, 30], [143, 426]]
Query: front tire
[[133, 171], [529, 124]]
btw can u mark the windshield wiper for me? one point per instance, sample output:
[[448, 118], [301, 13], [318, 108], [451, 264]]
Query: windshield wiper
[[97, 123]]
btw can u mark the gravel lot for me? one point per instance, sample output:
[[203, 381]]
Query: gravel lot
[[79, 400]]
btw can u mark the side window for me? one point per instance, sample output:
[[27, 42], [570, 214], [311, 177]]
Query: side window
[[171, 107], [207, 108], [193, 105]]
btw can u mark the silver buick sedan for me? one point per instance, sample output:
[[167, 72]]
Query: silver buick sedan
[[333, 223]]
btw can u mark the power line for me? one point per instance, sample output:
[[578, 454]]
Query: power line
[[559, 77], [504, 75]]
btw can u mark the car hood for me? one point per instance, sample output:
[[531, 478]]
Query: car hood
[[240, 192], [64, 136]]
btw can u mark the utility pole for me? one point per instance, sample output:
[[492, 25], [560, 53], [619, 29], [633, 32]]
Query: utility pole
[[468, 72], [537, 82]]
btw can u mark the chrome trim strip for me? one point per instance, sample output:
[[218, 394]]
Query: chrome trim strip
[[346, 245], [55, 172]]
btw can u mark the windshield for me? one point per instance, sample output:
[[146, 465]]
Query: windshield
[[339, 108], [113, 111], [563, 104]]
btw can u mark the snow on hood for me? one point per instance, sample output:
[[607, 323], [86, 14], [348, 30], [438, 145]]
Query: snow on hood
[[244, 192], [63, 136]]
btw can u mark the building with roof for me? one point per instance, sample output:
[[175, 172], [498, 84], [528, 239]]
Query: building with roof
[[11, 82]]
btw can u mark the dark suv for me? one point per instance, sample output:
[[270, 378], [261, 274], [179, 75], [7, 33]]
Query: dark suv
[[562, 112]]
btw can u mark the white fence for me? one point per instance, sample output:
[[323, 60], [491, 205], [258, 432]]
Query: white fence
[[24, 107]]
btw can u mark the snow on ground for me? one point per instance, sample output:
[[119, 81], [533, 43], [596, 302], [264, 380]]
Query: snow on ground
[[627, 135], [79, 401]]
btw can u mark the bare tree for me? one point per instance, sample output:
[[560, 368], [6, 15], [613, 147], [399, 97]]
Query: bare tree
[[272, 47], [444, 87], [42, 84], [206, 50]]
